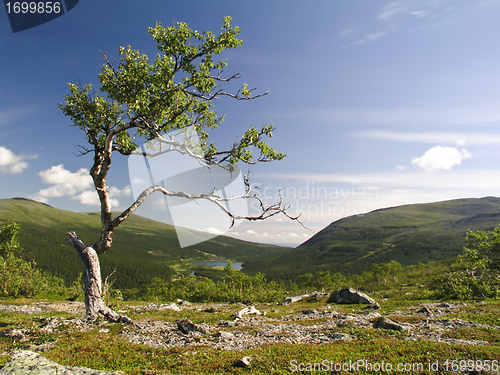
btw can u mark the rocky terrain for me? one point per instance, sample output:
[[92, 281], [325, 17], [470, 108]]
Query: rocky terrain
[[236, 327]]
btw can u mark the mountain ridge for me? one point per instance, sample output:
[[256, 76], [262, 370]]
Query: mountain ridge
[[142, 248], [409, 234]]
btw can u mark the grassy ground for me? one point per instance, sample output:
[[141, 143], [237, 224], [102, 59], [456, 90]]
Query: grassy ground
[[101, 347]]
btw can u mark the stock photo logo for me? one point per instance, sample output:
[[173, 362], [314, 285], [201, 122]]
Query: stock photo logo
[[25, 15], [166, 163]]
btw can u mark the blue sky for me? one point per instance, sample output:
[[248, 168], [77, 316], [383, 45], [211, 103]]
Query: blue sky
[[376, 103]]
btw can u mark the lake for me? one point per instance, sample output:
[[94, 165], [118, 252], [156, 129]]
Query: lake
[[218, 263]]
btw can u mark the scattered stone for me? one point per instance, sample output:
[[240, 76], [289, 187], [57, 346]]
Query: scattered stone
[[210, 310], [309, 312], [186, 326], [169, 306], [444, 305], [425, 310], [247, 311], [227, 323], [350, 296], [372, 316], [24, 362], [243, 362], [104, 330], [159, 307], [374, 306], [183, 303], [18, 334], [225, 335], [385, 323], [342, 336]]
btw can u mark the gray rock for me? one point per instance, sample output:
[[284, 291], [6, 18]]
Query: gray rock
[[24, 362], [186, 326], [14, 333], [385, 323], [350, 296], [425, 310], [309, 312], [227, 323], [169, 306], [225, 335], [374, 306], [342, 336], [210, 310], [444, 305], [243, 362]]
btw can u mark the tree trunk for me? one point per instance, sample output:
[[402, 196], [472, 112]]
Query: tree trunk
[[94, 304]]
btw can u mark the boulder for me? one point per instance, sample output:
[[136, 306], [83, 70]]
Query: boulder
[[385, 323], [243, 362], [24, 362], [350, 296]]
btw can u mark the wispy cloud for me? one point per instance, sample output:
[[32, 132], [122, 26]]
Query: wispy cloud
[[480, 180], [472, 115], [7, 116], [373, 36], [430, 137], [395, 15]]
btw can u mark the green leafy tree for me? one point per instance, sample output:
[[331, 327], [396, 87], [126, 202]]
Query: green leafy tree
[[304, 281], [143, 99], [480, 277], [17, 276], [9, 243]]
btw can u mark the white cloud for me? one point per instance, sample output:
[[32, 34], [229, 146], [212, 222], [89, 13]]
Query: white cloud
[[65, 182], [214, 231], [441, 157], [116, 193], [40, 199], [75, 185], [11, 163], [88, 197]]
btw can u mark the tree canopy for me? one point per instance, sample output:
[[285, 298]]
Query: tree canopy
[[143, 99]]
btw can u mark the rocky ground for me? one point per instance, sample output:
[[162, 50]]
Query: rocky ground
[[237, 327]]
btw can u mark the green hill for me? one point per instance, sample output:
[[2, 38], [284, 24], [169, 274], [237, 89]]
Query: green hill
[[408, 234], [142, 248]]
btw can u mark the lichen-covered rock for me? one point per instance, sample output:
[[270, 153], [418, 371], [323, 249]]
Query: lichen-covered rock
[[24, 362], [350, 296]]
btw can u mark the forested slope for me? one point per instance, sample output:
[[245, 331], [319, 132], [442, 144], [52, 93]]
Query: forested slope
[[408, 234], [142, 248]]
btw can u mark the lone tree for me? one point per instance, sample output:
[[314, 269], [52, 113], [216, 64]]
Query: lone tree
[[143, 100]]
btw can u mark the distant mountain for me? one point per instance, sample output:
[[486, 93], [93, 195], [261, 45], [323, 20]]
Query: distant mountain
[[408, 234], [142, 248]]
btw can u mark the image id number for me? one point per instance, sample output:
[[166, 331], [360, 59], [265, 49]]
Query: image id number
[[34, 7]]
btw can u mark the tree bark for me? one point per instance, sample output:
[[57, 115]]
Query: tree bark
[[94, 304]]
